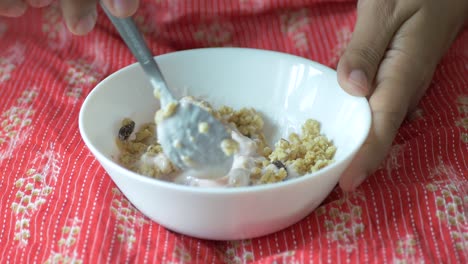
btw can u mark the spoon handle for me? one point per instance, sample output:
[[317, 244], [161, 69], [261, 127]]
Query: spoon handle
[[136, 43]]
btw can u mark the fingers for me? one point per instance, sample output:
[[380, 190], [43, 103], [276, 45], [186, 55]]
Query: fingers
[[385, 124], [376, 23], [81, 16], [12, 8], [121, 8], [401, 79]]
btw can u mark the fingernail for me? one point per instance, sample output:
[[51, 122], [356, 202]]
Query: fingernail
[[358, 181], [121, 6], [86, 23], [359, 81]]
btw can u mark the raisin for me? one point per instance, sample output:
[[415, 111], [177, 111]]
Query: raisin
[[126, 130], [279, 165]]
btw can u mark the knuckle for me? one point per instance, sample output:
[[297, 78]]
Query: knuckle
[[391, 121], [368, 55], [390, 115], [406, 69], [382, 8], [387, 14]]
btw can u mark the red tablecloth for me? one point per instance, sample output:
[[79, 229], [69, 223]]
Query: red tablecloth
[[58, 205]]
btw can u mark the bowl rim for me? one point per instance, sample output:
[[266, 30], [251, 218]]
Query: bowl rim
[[214, 190]]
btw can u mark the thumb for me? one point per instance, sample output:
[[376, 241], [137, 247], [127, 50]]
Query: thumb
[[372, 34]]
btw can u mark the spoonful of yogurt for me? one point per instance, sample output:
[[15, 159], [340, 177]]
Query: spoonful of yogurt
[[191, 137]]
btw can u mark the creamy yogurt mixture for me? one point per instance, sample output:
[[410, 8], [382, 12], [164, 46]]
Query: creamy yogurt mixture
[[254, 162]]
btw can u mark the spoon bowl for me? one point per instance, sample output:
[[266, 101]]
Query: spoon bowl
[[186, 145], [178, 133]]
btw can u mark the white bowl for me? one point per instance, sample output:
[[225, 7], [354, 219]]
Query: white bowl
[[286, 89]]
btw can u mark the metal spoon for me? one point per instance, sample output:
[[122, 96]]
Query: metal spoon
[[184, 143]]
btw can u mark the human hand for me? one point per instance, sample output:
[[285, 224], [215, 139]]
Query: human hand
[[80, 15], [391, 58]]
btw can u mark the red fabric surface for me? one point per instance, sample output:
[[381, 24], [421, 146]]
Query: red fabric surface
[[58, 205]]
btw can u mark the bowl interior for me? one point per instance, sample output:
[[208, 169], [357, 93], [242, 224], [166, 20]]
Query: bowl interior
[[286, 89]]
